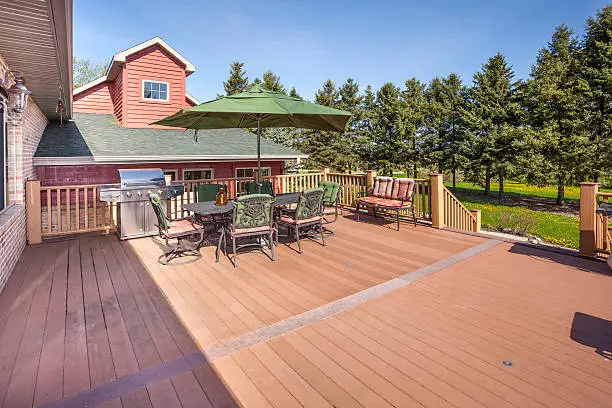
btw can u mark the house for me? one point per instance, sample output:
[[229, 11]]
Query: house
[[110, 129], [36, 52]]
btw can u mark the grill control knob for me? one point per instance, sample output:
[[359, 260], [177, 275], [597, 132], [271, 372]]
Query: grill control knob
[[128, 194], [139, 193], [160, 192]]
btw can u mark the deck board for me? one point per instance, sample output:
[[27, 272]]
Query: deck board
[[81, 315]]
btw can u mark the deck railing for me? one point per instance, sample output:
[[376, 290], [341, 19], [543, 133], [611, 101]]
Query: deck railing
[[73, 209], [62, 210], [456, 215], [595, 229], [603, 228]]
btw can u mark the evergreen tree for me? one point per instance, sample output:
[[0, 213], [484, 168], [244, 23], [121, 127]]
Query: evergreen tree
[[293, 93], [597, 60], [388, 136], [271, 82], [493, 122], [346, 143], [320, 144], [413, 104], [554, 98], [237, 81]]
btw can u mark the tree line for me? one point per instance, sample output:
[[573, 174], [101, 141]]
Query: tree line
[[553, 128]]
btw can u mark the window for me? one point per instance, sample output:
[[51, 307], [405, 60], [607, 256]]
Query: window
[[249, 172], [155, 91], [172, 173], [197, 174]]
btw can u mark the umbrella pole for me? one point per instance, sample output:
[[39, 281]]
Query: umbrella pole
[[258, 154]]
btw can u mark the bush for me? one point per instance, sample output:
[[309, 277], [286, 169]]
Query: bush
[[515, 223]]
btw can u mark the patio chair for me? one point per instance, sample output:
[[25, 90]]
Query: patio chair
[[331, 202], [266, 188], [308, 214], [207, 192], [252, 217], [389, 195], [188, 234]]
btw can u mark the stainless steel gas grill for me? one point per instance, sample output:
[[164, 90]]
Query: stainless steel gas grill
[[136, 217]]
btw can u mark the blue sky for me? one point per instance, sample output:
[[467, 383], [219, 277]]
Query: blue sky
[[306, 42]]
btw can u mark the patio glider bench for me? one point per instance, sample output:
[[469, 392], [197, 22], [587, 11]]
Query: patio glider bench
[[389, 195], [189, 235]]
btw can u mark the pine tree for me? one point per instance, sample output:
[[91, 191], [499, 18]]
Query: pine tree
[[388, 136], [237, 81], [493, 122], [346, 142], [320, 144], [413, 105], [293, 93], [271, 82], [555, 101], [597, 60]]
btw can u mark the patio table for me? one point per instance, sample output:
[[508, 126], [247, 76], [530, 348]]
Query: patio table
[[220, 214]]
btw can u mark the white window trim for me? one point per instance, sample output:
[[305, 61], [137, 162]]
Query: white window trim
[[175, 171], [151, 99], [212, 172], [251, 168], [3, 148]]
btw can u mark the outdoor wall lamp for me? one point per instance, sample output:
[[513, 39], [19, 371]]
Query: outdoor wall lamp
[[17, 94]]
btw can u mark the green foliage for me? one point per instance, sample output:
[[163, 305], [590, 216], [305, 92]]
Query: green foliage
[[85, 71], [271, 82], [238, 80], [555, 102]]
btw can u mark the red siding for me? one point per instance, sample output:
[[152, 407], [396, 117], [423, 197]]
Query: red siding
[[106, 174], [117, 97], [94, 100], [152, 63]]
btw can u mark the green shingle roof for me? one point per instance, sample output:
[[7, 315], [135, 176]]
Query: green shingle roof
[[99, 136]]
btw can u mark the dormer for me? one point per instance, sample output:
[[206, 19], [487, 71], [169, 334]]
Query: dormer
[[142, 84]]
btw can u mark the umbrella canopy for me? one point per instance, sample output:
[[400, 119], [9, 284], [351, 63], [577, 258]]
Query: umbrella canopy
[[257, 108]]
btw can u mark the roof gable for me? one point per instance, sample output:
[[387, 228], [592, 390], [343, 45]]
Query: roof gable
[[120, 58]]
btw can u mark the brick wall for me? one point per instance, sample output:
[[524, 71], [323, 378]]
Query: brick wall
[[106, 174], [22, 141]]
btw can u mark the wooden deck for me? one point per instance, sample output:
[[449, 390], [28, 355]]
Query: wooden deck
[[377, 318]]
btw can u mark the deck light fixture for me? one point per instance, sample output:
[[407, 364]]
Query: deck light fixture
[[18, 95]]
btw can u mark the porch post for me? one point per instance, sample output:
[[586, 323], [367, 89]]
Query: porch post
[[588, 218], [33, 214], [325, 173], [477, 216], [436, 183], [370, 176]]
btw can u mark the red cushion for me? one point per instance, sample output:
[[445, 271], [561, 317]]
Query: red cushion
[[239, 231], [290, 220], [329, 210], [402, 188], [180, 226], [383, 202]]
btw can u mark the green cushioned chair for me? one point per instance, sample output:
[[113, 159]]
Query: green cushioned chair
[[331, 202], [252, 217], [306, 219], [266, 188], [208, 192]]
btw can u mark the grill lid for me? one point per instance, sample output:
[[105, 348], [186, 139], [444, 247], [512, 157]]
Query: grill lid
[[141, 177]]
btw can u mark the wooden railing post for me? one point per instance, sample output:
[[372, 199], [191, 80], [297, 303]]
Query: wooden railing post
[[325, 174], [437, 200], [588, 218], [33, 214], [477, 220], [370, 176]]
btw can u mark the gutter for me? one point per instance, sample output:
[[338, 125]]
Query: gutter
[[90, 160]]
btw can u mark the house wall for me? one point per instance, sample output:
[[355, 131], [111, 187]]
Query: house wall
[[107, 174], [155, 64], [22, 141], [94, 100]]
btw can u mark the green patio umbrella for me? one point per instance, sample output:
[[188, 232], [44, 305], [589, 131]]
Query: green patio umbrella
[[258, 108]]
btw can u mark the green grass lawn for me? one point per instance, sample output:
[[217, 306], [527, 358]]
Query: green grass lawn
[[553, 228]]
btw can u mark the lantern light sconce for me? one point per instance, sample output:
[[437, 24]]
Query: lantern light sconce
[[17, 93]]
